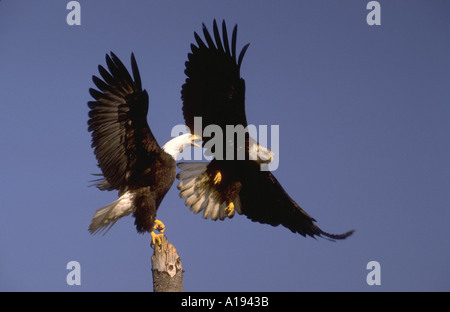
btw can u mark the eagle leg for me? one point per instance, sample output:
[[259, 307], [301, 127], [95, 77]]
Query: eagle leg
[[156, 238], [229, 210]]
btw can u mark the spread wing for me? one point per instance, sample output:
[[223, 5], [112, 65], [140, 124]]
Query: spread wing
[[214, 89], [264, 200], [123, 143]]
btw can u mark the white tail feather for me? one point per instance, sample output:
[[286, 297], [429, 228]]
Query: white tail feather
[[200, 196], [208, 208], [222, 211], [188, 183], [237, 205], [199, 205], [189, 166], [105, 217]]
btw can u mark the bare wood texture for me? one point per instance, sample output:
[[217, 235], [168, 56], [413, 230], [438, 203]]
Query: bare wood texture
[[166, 268]]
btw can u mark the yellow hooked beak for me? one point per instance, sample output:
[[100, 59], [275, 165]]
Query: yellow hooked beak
[[194, 138]]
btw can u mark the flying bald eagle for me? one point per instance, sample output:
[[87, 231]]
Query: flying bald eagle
[[215, 91], [128, 154]]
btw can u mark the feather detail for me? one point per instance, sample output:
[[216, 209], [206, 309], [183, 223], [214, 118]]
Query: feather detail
[[105, 217], [200, 194]]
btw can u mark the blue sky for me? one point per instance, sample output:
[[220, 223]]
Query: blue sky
[[363, 113]]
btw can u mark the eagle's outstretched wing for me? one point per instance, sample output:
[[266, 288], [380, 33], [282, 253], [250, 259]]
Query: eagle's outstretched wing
[[214, 89], [122, 140], [264, 200]]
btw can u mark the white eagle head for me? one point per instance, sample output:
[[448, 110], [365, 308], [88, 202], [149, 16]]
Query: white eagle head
[[176, 145]]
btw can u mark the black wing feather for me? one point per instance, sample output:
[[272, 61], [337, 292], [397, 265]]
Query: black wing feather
[[233, 42], [208, 37], [217, 37], [241, 55], [105, 75], [264, 200], [214, 89], [122, 140], [135, 70]]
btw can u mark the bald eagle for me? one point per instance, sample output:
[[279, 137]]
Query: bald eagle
[[215, 91], [130, 158]]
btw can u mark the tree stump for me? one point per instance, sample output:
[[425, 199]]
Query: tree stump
[[166, 268]]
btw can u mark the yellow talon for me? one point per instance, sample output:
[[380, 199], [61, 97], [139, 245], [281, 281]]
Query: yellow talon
[[159, 226], [156, 238], [218, 178], [229, 210]]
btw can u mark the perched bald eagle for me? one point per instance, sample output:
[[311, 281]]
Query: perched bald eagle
[[215, 91], [128, 154]]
